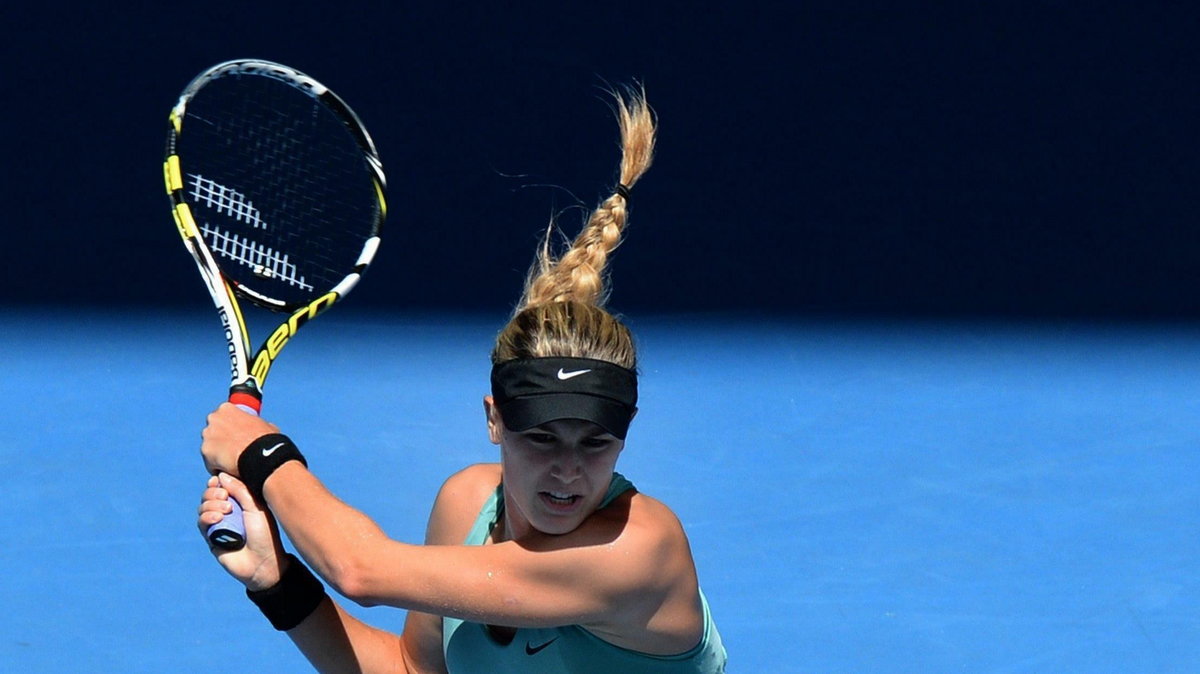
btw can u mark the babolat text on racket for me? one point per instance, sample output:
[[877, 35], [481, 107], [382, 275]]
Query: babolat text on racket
[[279, 194]]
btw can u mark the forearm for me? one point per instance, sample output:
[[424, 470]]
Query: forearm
[[335, 641], [330, 534], [336, 540], [357, 558]]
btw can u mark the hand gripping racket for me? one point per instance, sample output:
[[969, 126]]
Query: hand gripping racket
[[278, 193]]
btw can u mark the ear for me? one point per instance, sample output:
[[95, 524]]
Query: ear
[[495, 424]]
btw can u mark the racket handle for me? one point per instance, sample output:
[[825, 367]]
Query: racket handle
[[230, 532]]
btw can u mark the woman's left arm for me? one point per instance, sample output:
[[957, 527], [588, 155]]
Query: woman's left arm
[[618, 569]]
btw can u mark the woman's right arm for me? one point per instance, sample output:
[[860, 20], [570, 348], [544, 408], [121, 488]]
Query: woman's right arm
[[335, 641], [454, 512], [419, 648], [330, 638]]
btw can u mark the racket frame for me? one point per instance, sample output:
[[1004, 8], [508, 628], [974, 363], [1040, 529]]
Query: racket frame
[[248, 373]]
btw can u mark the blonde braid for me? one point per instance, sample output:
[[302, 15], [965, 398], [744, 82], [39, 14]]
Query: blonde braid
[[561, 311], [579, 274]]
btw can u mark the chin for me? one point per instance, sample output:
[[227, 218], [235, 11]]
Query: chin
[[557, 526]]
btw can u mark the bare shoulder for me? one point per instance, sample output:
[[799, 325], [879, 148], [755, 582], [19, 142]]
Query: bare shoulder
[[478, 479], [633, 545], [652, 530], [634, 550], [652, 584], [458, 503]]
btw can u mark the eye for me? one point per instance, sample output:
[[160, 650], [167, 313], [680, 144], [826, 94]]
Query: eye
[[539, 437], [598, 442]]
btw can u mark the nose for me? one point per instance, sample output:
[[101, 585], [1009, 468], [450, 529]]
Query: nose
[[568, 465]]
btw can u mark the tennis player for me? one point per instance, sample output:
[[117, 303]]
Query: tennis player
[[549, 561]]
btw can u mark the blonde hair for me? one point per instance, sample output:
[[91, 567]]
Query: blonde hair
[[561, 312]]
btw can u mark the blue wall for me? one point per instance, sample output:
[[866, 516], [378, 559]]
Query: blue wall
[[820, 160]]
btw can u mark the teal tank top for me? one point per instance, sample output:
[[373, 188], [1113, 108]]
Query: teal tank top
[[469, 648]]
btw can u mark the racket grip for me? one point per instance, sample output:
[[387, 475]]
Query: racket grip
[[230, 532]]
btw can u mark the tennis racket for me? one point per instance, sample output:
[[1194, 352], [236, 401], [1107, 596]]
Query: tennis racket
[[279, 195]]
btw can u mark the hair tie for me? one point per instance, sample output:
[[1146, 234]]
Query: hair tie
[[623, 191]]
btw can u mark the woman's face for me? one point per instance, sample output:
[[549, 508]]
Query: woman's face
[[555, 475]]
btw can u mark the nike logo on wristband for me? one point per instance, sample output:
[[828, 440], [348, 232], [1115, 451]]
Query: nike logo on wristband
[[567, 375], [269, 452], [534, 650]]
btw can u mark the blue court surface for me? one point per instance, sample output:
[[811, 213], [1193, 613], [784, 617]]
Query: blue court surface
[[860, 496]]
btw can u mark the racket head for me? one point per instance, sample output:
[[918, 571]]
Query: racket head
[[277, 180]]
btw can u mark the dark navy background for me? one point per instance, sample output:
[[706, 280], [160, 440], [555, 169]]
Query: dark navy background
[[821, 158]]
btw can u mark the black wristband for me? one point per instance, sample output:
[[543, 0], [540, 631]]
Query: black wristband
[[287, 603], [263, 456]]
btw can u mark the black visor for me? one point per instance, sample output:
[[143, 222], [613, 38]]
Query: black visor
[[532, 391]]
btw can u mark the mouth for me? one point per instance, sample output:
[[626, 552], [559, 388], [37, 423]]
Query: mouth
[[559, 500]]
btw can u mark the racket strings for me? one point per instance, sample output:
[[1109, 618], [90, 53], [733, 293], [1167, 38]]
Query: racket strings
[[225, 201], [264, 261], [281, 190]]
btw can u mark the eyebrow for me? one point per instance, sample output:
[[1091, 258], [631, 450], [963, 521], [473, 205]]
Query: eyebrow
[[600, 432]]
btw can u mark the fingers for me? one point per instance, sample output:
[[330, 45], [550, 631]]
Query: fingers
[[238, 490], [216, 501], [214, 497], [214, 505], [227, 433]]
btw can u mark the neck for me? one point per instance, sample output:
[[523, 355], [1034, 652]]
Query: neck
[[510, 527]]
